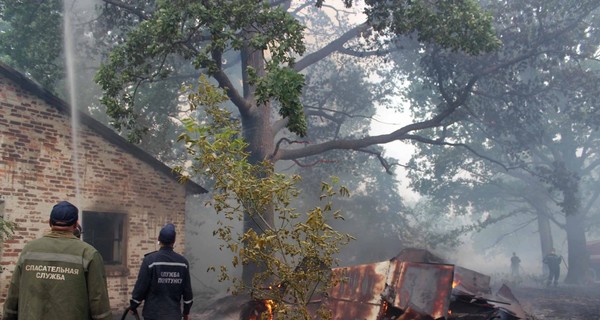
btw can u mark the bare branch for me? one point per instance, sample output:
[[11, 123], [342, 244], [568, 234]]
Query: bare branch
[[225, 83], [400, 134], [330, 48], [139, 13], [502, 236], [382, 160], [288, 141], [443, 143], [362, 54], [312, 164], [322, 112]]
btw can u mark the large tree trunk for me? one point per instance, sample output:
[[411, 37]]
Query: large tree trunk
[[539, 201], [578, 265], [578, 261], [256, 124], [545, 235]]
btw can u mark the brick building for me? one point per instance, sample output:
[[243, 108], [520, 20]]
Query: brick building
[[124, 195]]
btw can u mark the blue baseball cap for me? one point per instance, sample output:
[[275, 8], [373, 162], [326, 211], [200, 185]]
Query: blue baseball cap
[[167, 234], [64, 213]]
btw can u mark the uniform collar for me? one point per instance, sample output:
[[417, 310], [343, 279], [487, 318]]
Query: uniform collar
[[60, 234]]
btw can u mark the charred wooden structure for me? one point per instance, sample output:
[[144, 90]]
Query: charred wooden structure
[[414, 285]]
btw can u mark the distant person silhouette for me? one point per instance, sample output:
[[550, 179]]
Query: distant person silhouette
[[515, 263], [553, 261]]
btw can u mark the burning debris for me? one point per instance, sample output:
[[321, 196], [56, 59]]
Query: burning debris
[[387, 290], [414, 285]]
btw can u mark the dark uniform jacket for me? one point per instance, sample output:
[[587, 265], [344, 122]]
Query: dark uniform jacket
[[553, 261], [58, 277], [163, 280]]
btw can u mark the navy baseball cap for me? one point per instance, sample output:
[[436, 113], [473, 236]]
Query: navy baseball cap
[[64, 214], [167, 234]]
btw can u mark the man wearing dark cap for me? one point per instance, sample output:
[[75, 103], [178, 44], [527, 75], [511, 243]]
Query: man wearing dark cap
[[58, 276], [163, 282]]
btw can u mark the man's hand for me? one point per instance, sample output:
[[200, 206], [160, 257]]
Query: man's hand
[[133, 306]]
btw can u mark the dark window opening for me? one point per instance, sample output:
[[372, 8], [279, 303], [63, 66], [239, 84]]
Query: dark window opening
[[1, 208], [106, 232]]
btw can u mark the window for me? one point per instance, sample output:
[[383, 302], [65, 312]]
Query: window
[[106, 232]]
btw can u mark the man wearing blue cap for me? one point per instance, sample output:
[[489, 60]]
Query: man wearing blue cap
[[58, 276], [163, 282]]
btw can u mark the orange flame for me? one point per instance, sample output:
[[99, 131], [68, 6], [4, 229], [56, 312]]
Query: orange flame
[[455, 283], [269, 304]]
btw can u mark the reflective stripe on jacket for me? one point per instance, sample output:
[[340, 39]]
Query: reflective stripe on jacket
[[58, 277]]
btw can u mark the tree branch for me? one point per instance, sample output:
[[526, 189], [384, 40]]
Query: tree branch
[[139, 13], [225, 83], [381, 159], [357, 144], [312, 164], [336, 45], [354, 144], [362, 54], [443, 143], [502, 236]]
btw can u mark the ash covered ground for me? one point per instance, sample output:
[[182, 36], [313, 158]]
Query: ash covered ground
[[560, 303]]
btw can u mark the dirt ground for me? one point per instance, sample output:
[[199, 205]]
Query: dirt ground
[[554, 303], [560, 303]]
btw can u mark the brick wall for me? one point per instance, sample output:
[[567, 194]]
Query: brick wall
[[37, 169]]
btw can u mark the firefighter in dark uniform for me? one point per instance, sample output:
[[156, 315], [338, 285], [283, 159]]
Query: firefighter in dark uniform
[[553, 261], [163, 282], [58, 277]]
